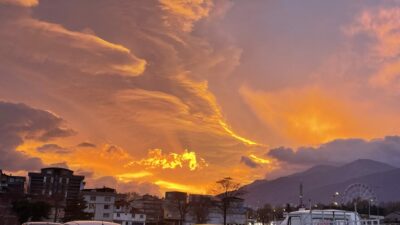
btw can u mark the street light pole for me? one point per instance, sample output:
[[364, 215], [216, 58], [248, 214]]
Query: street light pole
[[369, 209]]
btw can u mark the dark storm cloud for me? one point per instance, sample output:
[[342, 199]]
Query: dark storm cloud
[[60, 165], [86, 173], [249, 162], [53, 148], [86, 145], [19, 122], [342, 151]]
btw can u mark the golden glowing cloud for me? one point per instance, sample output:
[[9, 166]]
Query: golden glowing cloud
[[156, 159], [307, 116], [200, 89], [259, 159], [132, 176], [179, 187]]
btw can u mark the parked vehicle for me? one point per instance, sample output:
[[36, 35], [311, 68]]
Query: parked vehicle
[[41, 223], [326, 217], [90, 223]]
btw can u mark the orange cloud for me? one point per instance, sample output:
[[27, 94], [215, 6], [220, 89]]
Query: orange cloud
[[179, 187], [200, 89], [67, 48], [184, 13], [383, 25], [304, 116], [23, 3], [132, 176]]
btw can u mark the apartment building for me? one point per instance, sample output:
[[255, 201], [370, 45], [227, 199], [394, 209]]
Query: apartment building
[[54, 182], [11, 184], [100, 203]]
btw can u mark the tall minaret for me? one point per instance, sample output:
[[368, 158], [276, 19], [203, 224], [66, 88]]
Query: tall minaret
[[301, 195]]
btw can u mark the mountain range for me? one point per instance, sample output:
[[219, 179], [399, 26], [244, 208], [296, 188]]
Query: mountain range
[[322, 181]]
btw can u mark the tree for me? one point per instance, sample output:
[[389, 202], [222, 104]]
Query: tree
[[40, 210], [200, 209], [75, 210], [22, 209], [265, 214], [288, 208], [228, 191], [31, 210], [182, 205]]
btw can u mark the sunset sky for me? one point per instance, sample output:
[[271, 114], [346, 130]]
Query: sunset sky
[[155, 95]]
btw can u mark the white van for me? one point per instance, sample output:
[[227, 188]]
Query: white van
[[41, 223], [90, 223], [326, 217]]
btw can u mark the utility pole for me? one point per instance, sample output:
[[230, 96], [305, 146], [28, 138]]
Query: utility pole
[[301, 195]]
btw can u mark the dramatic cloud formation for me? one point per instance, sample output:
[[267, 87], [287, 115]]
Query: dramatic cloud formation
[[157, 159], [342, 151], [249, 162], [53, 148], [86, 145], [383, 27], [19, 122], [226, 80]]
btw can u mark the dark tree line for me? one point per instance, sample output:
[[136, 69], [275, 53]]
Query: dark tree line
[[74, 210], [27, 210]]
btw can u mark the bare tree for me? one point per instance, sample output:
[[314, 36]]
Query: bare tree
[[265, 214], [227, 191], [183, 209], [200, 209], [181, 205]]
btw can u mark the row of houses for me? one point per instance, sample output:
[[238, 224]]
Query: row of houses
[[176, 208], [59, 186]]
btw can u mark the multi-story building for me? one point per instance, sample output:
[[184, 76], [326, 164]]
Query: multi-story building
[[124, 214], [151, 206], [11, 184], [57, 186], [55, 182], [100, 203]]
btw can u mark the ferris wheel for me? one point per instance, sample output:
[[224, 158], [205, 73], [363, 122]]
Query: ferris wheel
[[357, 191]]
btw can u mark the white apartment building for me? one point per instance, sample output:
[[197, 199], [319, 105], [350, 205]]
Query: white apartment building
[[100, 203], [124, 218]]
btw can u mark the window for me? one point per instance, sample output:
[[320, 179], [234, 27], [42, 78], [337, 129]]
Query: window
[[106, 215], [118, 215], [106, 206], [294, 220], [92, 198], [107, 198], [141, 216]]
